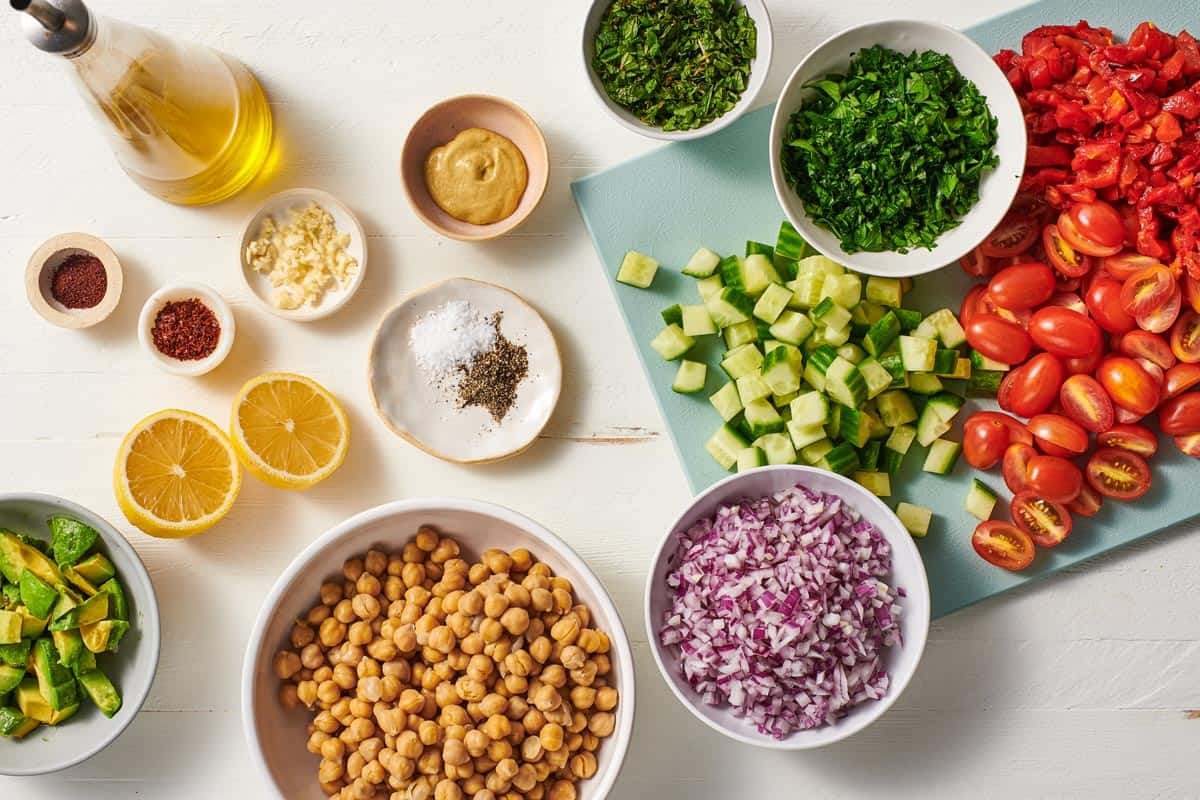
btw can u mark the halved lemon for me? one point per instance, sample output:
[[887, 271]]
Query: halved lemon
[[288, 430], [176, 474]]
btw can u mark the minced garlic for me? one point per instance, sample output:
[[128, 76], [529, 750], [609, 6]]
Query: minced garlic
[[303, 258]]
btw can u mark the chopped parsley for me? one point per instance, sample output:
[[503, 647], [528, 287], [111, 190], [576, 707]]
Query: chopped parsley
[[890, 155]]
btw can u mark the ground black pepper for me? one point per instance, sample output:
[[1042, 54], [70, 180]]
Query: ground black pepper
[[492, 377], [79, 281], [186, 329]]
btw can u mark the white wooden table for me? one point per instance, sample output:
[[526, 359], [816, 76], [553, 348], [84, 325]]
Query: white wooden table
[[1079, 687]]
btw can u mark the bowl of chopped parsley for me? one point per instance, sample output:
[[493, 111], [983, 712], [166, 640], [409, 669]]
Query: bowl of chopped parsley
[[896, 147], [676, 69]]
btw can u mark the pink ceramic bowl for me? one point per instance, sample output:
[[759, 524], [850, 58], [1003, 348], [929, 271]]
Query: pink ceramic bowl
[[446, 120]]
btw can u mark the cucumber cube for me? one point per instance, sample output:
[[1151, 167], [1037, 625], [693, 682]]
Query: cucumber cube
[[758, 273], [709, 287], [810, 408], [742, 361], [792, 328], [845, 290], [637, 269], [752, 387], [782, 376], [763, 418], [778, 447], [750, 457], [877, 483], [696, 321], [942, 456], [690, 377], [917, 354], [819, 265], [844, 383], [726, 401], [729, 307], [885, 291], [806, 291], [814, 452], [740, 333], [702, 264], [980, 500], [805, 435], [672, 315], [915, 519], [672, 342], [772, 303]]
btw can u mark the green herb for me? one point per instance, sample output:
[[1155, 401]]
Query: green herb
[[675, 64], [890, 155]]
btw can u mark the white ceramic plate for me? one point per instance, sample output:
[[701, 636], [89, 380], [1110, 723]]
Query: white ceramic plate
[[425, 414], [998, 187], [131, 669], [908, 571], [759, 68], [277, 206], [277, 736]]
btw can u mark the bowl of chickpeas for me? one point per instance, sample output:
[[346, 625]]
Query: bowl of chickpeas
[[438, 649]]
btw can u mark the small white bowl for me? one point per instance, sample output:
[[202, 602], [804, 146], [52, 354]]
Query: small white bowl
[[424, 414], [184, 291], [996, 190], [131, 668], [759, 66], [908, 571], [276, 736], [277, 206]]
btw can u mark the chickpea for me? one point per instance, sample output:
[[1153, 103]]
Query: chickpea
[[493, 704], [352, 569], [331, 593], [454, 719], [333, 749], [554, 675], [393, 588], [430, 762], [306, 693], [546, 698], [390, 720], [470, 689], [459, 623], [526, 777], [522, 559], [328, 693], [429, 733], [454, 752], [376, 562], [585, 675], [359, 633], [354, 765], [330, 770], [332, 632], [583, 697], [368, 667], [315, 740], [287, 664], [302, 634], [370, 689], [497, 727], [551, 736], [325, 721], [478, 573], [289, 698], [562, 790], [409, 745], [495, 605], [497, 561], [578, 724], [590, 741], [491, 630], [566, 630], [606, 698], [602, 724], [382, 649], [515, 621], [366, 606], [539, 649], [446, 549], [562, 600], [484, 794], [368, 584], [531, 748], [317, 614]]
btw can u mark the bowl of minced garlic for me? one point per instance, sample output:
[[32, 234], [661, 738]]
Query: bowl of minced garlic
[[303, 254], [474, 167]]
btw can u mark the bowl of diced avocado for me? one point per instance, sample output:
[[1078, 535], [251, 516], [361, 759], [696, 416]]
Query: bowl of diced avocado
[[79, 634]]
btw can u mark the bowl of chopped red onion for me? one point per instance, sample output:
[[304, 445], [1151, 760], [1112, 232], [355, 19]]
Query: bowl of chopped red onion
[[787, 607]]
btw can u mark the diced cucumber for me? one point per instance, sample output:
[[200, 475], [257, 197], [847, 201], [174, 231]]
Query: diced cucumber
[[759, 248], [730, 270], [845, 289], [833, 426], [945, 405], [672, 342], [877, 378], [980, 361], [895, 408], [842, 459], [878, 429], [729, 307], [943, 361], [948, 329], [930, 426], [926, 330], [915, 519], [690, 377], [783, 403], [806, 291], [752, 387], [781, 374], [851, 352], [980, 500], [868, 455], [672, 315], [917, 354], [820, 359], [702, 264], [877, 483], [816, 451], [854, 426], [778, 447], [726, 401], [925, 383], [696, 321], [890, 461], [772, 303], [894, 364], [790, 245], [810, 408], [792, 351], [844, 383], [725, 444], [829, 314], [984, 383], [942, 455], [819, 265], [879, 337], [709, 287], [763, 418], [806, 435], [758, 273], [909, 319], [740, 333], [901, 439], [962, 368], [792, 328], [637, 269], [742, 361], [834, 336], [885, 291], [751, 457]]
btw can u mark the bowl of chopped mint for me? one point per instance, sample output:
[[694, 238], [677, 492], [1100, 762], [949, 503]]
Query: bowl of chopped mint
[[896, 147], [676, 69]]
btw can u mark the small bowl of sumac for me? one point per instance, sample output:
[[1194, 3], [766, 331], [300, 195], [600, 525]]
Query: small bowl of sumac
[[186, 328], [74, 280]]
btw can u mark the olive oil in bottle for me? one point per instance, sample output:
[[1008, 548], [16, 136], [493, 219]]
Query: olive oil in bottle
[[188, 124]]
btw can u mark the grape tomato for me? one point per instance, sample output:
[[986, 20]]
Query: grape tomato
[[1022, 286], [1130, 436], [1054, 432], [1053, 477], [1046, 521], [1120, 474], [1064, 332], [1003, 545], [1085, 401]]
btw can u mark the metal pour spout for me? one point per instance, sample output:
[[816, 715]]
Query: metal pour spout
[[56, 26]]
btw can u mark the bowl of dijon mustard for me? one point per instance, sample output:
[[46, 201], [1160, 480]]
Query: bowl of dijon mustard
[[474, 167]]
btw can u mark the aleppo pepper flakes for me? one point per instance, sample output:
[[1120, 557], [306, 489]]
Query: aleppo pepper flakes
[[1116, 122], [675, 64], [889, 156], [186, 330], [79, 281]]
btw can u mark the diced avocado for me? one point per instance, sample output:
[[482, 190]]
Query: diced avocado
[[31, 626], [37, 595], [94, 609], [14, 724], [69, 645], [16, 556], [100, 689], [96, 568], [10, 677], [87, 660], [80, 582], [105, 634], [70, 539], [67, 600], [34, 705], [56, 682], [10, 627], [16, 655], [10, 596], [118, 606]]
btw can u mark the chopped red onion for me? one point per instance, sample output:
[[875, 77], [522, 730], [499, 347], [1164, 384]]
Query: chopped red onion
[[780, 610]]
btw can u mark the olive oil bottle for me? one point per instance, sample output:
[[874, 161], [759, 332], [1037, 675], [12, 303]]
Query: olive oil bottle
[[188, 124]]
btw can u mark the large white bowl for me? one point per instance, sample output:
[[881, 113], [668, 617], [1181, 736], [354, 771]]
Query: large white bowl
[[53, 748], [277, 737], [759, 68], [908, 572], [996, 190]]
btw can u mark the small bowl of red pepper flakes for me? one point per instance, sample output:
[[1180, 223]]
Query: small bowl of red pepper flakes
[[186, 328], [74, 280]]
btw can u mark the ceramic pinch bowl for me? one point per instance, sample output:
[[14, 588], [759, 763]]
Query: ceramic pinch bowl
[[278, 206], [45, 261], [426, 415], [175, 293], [443, 122]]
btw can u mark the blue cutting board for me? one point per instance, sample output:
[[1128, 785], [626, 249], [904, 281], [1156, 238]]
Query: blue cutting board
[[716, 192]]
